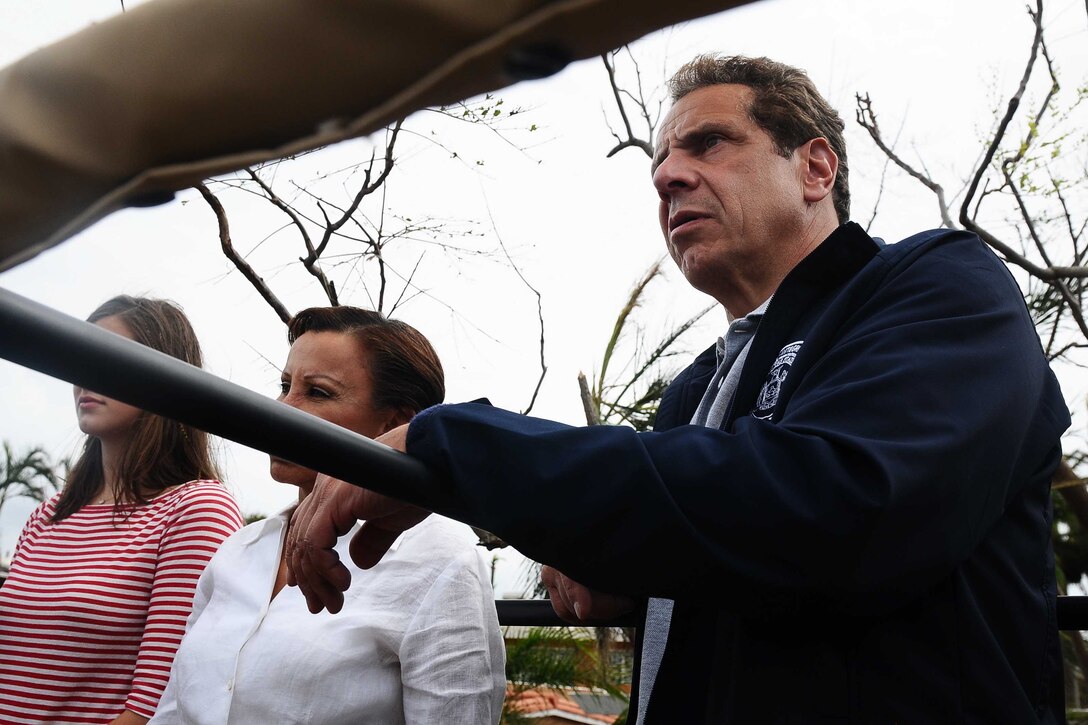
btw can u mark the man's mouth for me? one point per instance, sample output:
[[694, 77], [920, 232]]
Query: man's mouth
[[682, 217]]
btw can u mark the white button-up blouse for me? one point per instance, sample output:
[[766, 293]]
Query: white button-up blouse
[[417, 641]]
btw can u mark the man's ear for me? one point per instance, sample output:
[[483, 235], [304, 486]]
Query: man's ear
[[820, 164]]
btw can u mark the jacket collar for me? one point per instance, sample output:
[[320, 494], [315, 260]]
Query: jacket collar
[[838, 258]]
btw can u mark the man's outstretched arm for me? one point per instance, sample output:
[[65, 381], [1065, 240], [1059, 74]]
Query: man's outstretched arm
[[333, 508], [811, 511]]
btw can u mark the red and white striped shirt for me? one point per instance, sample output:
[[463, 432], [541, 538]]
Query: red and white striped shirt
[[95, 605]]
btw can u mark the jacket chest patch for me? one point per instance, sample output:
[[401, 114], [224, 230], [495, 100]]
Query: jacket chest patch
[[772, 386]]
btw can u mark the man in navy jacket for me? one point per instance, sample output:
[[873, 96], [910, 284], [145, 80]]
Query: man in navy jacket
[[861, 533]]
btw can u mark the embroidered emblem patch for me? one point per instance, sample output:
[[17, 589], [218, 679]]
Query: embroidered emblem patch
[[772, 386]]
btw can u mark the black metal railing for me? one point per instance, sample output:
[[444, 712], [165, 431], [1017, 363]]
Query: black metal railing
[[539, 613], [43, 339], [1072, 614]]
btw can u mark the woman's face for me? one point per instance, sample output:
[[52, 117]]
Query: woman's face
[[104, 418], [326, 375]]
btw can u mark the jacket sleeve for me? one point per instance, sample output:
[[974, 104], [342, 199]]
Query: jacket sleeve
[[930, 409]]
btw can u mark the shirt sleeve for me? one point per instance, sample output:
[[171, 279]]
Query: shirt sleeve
[[205, 516], [452, 656], [167, 711], [32, 523]]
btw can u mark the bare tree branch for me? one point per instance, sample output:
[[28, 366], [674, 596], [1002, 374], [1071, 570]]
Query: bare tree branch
[[969, 208], [866, 118], [1074, 233], [1014, 103], [539, 312], [239, 262], [403, 289], [1059, 284], [1033, 127], [884, 179], [631, 140], [332, 226], [587, 400], [879, 195], [365, 190], [311, 267]]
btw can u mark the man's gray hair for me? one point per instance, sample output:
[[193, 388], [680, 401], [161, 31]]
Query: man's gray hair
[[785, 104]]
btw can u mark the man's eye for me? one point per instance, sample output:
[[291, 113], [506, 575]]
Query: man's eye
[[712, 141]]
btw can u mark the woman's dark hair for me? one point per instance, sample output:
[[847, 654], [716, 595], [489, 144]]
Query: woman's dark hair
[[160, 452], [785, 104], [405, 371]]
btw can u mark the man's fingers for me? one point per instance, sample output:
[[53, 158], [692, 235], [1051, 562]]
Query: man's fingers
[[329, 512], [370, 543], [325, 579], [577, 603], [388, 519], [552, 579], [318, 573], [312, 563], [298, 522]]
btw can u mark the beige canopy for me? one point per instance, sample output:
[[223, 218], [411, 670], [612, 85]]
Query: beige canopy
[[174, 91]]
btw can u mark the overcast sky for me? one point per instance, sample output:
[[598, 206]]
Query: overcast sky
[[581, 227]]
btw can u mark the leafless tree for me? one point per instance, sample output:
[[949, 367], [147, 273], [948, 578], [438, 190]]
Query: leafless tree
[[346, 231], [1020, 179], [1031, 184], [631, 102]]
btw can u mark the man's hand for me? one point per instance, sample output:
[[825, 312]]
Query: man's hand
[[328, 513], [578, 604]]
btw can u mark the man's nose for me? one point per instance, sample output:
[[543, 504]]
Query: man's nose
[[673, 174]]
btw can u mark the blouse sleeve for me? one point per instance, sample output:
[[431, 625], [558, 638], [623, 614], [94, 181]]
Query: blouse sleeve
[[205, 516], [452, 657]]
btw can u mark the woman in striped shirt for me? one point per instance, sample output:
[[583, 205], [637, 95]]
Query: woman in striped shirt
[[104, 572]]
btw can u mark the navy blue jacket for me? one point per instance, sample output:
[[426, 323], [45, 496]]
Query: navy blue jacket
[[867, 538]]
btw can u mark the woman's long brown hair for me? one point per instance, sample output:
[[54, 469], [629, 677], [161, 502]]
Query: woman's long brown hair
[[159, 452]]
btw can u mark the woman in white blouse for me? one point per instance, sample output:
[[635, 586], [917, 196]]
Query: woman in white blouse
[[417, 640]]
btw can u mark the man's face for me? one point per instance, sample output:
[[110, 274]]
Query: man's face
[[732, 208]]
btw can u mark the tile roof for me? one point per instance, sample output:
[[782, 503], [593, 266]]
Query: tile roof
[[546, 702]]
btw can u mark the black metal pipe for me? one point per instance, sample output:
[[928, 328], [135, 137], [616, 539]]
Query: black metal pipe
[[539, 613], [83, 354], [1072, 613]]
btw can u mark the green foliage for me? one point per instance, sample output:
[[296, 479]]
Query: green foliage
[[29, 474], [556, 657], [550, 656], [632, 397], [1070, 542]]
